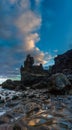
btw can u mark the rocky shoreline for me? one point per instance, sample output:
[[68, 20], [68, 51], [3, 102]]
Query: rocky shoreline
[[41, 99], [36, 109], [57, 78]]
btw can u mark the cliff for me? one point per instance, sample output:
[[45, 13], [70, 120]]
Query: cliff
[[63, 63]]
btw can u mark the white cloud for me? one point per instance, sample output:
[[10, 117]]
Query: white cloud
[[28, 22], [20, 23], [29, 41]]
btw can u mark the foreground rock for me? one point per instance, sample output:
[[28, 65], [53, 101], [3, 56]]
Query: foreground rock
[[38, 113], [59, 84], [56, 84]]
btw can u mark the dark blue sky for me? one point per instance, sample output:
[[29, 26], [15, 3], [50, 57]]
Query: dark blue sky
[[42, 28]]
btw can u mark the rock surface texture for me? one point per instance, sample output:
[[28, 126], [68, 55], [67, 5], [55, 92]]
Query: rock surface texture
[[63, 63]]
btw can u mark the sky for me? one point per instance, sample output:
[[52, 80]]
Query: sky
[[42, 28]]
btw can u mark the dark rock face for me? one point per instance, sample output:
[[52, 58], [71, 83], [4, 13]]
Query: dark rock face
[[16, 127], [8, 84], [63, 63], [40, 85], [56, 84], [59, 81], [36, 77], [29, 67], [28, 63], [59, 84], [29, 79], [11, 85], [70, 78]]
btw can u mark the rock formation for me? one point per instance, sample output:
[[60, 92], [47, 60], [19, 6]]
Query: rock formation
[[29, 65], [35, 77], [11, 85], [29, 70], [63, 63]]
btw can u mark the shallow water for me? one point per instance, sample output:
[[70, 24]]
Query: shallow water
[[38, 113]]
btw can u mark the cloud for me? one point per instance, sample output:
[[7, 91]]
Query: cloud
[[30, 41], [19, 27], [29, 23]]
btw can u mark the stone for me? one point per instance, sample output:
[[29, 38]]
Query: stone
[[11, 85], [8, 84], [28, 63], [28, 79], [40, 85], [63, 63], [59, 82], [70, 78], [14, 97], [16, 127], [30, 67], [2, 101]]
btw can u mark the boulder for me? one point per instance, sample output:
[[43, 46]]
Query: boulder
[[9, 84], [59, 83]]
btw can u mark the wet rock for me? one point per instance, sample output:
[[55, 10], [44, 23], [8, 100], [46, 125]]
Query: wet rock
[[31, 96], [59, 83], [2, 101], [15, 97], [36, 109], [16, 127], [65, 124], [22, 87], [1, 122], [11, 104]]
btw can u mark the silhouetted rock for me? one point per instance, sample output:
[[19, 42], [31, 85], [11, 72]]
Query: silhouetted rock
[[56, 84], [29, 79], [40, 85], [63, 63], [28, 63], [29, 68], [9, 84]]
